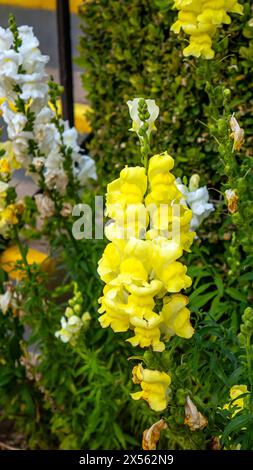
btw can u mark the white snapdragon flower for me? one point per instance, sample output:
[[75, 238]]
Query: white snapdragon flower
[[84, 168], [33, 90], [197, 199], [6, 39], [70, 136], [9, 64], [70, 327], [153, 110], [47, 138], [20, 148], [54, 160], [5, 301], [14, 120], [56, 179], [32, 82], [15, 124]]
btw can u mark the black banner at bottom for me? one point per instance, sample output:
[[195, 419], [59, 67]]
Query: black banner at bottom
[[107, 459]]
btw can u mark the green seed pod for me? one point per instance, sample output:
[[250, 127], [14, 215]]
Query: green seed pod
[[227, 93], [77, 308], [181, 396]]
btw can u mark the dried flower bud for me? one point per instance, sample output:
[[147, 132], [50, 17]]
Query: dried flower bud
[[193, 418], [152, 435], [20, 207], [66, 210], [237, 134], [215, 443], [45, 205], [232, 200]]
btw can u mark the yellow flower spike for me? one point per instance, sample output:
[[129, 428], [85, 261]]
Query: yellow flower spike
[[138, 265], [155, 386], [11, 255], [200, 19], [176, 317]]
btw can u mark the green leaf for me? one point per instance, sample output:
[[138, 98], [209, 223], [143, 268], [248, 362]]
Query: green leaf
[[237, 424], [236, 294], [202, 300]]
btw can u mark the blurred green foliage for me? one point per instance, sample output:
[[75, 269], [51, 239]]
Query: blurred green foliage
[[127, 50]]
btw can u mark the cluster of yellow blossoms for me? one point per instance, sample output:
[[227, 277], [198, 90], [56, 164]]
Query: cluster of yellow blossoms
[[200, 20], [140, 264], [9, 212]]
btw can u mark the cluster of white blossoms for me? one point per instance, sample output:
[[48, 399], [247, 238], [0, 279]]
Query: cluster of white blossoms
[[71, 326], [41, 140], [197, 199], [73, 320], [24, 67]]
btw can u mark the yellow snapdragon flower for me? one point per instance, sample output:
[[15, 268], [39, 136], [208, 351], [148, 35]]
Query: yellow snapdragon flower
[[8, 217], [176, 317], [113, 309], [129, 188], [138, 270], [200, 20], [235, 392], [5, 168], [154, 385], [8, 160]]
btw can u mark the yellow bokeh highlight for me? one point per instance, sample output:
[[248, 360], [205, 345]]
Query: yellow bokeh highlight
[[41, 4], [11, 255]]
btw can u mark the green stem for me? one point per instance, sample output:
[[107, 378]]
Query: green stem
[[22, 251], [249, 362]]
